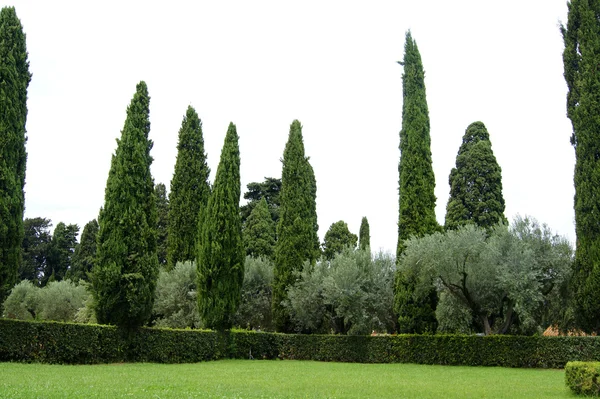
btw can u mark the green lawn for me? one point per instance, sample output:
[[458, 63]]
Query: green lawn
[[276, 379]]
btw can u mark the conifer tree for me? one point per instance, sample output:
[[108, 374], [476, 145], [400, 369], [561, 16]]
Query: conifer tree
[[62, 247], [220, 247], [85, 253], [190, 190], [475, 183], [297, 240], [14, 79], [162, 223], [364, 235], [124, 276], [259, 232], [417, 184], [581, 58], [337, 238]]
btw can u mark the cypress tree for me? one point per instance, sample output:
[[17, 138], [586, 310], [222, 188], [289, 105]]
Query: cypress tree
[[190, 190], [417, 184], [62, 246], [297, 239], [337, 238], [162, 222], [475, 183], [364, 236], [126, 269], [259, 232], [220, 248], [581, 58], [85, 253], [14, 78]]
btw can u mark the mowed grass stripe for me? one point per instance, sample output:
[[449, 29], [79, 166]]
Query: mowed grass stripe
[[276, 379]]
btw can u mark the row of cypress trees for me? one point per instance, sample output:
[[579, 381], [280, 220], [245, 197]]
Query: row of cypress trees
[[475, 188]]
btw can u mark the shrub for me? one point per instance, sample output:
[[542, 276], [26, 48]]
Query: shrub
[[583, 377], [22, 303], [175, 303], [255, 307], [61, 300]]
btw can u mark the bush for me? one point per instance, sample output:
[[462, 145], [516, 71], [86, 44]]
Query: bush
[[22, 303], [254, 311], [61, 300], [175, 303], [583, 377]]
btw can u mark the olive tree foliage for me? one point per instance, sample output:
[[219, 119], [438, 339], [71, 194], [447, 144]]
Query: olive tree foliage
[[337, 238], [175, 303], [255, 307], [57, 301], [494, 283], [352, 294]]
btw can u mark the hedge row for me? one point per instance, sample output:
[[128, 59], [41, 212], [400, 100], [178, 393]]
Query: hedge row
[[583, 377], [53, 342]]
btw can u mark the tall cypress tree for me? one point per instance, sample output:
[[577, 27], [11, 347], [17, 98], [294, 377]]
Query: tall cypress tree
[[475, 183], [85, 253], [162, 222], [296, 230], [190, 190], [126, 269], [364, 234], [259, 232], [581, 58], [417, 184], [14, 78], [220, 248]]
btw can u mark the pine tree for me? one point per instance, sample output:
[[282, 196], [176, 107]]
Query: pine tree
[[475, 183], [62, 246], [337, 238], [269, 190], [417, 184], [85, 253], [189, 191], [124, 276], [297, 240], [220, 247], [35, 249], [162, 223], [364, 236], [14, 78], [581, 58], [259, 232]]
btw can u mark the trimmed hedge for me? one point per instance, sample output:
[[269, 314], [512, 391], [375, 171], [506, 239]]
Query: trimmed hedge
[[583, 377], [53, 342]]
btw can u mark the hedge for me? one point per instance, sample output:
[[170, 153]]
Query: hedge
[[53, 342], [583, 377]]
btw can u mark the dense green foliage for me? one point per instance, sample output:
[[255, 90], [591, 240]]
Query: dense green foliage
[[297, 239], [583, 378], [475, 183], [57, 301], [255, 307], [162, 222], [417, 184], [126, 269], [189, 193], [14, 78], [351, 294], [364, 235], [270, 190], [220, 247], [337, 238], [176, 303], [85, 253], [82, 343], [60, 255], [492, 285], [35, 249], [259, 232], [581, 58]]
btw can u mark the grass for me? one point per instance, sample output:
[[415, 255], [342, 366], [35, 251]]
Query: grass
[[276, 379]]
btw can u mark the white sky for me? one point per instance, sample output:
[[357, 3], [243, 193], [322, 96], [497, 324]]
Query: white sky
[[331, 65]]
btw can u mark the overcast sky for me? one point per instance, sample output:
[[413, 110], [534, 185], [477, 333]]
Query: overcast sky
[[331, 65]]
